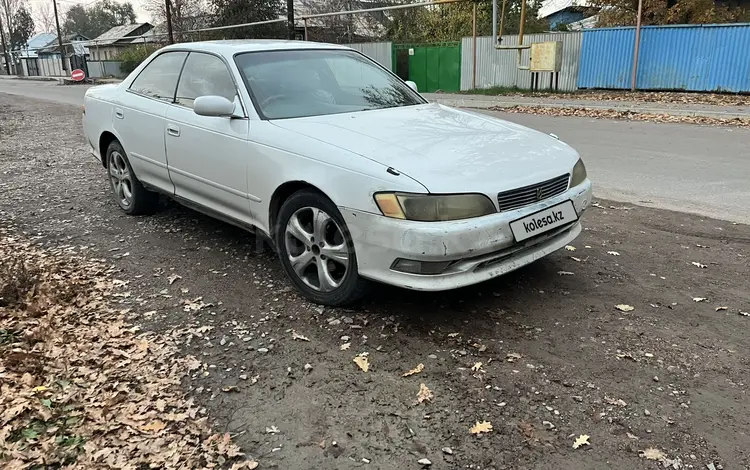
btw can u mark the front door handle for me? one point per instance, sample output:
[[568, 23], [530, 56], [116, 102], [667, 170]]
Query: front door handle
[[119, 114], [173, 130]]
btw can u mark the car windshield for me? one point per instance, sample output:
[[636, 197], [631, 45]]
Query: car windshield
[[299, 83]]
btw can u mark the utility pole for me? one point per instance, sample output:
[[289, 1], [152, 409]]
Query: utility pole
[[168, 9], [59, 38], [5, 50], [290, 18], [633, 84]]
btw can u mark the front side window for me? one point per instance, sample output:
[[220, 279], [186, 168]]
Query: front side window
[[299, 83], [159, 78], [204, 75]]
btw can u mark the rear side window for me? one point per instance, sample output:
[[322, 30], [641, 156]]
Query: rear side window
[[204, 75], [159, 78]]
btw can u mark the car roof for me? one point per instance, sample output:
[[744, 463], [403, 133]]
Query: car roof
[[233, 46]]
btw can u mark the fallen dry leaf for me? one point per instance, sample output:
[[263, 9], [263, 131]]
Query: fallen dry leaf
[[718, 309], [298, 336], [424, 394], [575, 259], [632, 436], [512, 357], [565, 273], [613, 253], [416, 370], [699, 299], [699, 265], [582, 440], [479, 428], [154, 426], [476, 366], [247, 464], [362, 362], [173, 278], [230, 389], [652, 453], [744, 314], [625, 307], [345, 346], [570, 248], [452, 335]]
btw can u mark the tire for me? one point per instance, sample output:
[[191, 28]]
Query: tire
[[123, 182], [302, 254]]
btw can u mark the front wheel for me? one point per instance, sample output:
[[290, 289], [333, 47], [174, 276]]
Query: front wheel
[[316, 250]]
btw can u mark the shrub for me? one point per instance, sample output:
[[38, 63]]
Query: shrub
[[132, 57]]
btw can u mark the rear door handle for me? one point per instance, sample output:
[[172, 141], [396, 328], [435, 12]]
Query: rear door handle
[[119, 114], [173, 130]]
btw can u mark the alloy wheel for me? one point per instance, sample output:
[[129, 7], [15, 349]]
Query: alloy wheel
[[122, 182], [317, 249]]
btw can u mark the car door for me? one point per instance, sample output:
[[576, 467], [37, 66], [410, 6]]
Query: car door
[[139, 118], [209, 156]]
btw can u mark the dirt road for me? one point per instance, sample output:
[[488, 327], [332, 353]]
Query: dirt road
[[542, 354]]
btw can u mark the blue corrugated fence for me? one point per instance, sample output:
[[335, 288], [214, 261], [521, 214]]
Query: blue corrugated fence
[[684, 57]]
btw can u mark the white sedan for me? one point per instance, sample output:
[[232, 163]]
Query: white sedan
[[344, 168]]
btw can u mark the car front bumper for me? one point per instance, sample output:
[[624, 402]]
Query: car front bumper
[[478, 249]]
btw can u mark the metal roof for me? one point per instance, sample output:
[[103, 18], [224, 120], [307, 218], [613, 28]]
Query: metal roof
[[117, 33], [550, 7], [36, 43]]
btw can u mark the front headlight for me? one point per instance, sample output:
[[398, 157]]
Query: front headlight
[[433, 208], [579, 174]]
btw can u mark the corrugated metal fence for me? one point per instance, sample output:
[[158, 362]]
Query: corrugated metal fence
[[380, 52], [682, 57], [104, 68], [499, 67]]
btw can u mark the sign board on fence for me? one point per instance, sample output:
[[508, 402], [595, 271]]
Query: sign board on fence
[[77, 75], [546, 56]]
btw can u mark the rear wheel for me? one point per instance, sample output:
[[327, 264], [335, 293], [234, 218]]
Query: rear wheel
[[316, 250], [128, 192]]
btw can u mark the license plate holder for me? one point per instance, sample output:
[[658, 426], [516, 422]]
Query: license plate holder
[[544, 220]]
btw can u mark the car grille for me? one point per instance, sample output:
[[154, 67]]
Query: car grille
[[515, 198]]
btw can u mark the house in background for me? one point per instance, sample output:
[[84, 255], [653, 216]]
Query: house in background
[[27, 64], [110, 44], [561, 13]]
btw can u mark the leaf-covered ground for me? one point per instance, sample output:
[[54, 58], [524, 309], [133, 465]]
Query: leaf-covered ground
[[80, 387], [624, 115]]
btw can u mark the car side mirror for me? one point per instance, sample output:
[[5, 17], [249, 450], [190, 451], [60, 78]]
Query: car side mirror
[[412, 85], [213, 106]]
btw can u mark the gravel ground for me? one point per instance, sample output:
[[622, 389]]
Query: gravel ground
[[558, 360]]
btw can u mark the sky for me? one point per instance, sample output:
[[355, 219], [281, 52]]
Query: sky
[[63, 5]]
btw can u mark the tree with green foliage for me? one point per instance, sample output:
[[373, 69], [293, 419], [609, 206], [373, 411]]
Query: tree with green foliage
[[132, 56], [227, 12], [98, 18], [660, 12], [453, 21], [21, 29]]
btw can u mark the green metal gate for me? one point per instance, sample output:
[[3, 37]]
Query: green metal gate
[[431, 66]]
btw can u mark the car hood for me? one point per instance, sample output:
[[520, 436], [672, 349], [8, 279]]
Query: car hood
[[447, 150]]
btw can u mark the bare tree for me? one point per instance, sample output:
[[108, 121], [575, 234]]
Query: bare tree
[[9, 8], [44, 17], [186, 14]]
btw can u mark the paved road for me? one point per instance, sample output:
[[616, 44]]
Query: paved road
[[699, 169]]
